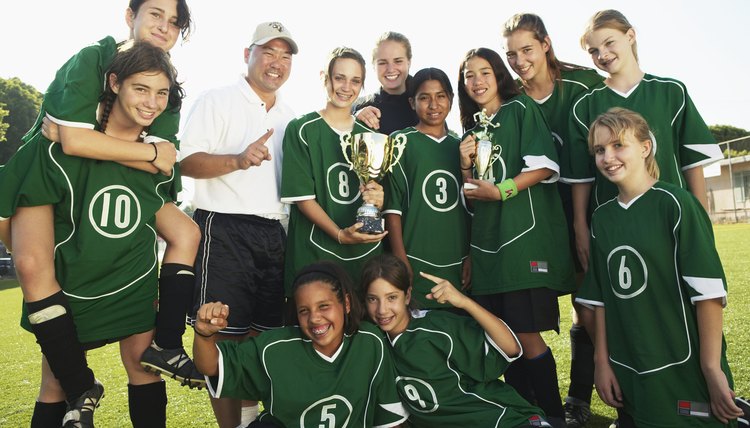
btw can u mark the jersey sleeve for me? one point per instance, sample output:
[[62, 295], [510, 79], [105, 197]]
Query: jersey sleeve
[[474, 352], [699, 263], [538, 148], [297, 176], [204, 126], [576, 163], [241, 374], [395, 187], [390, 411], [590, 294], [697, 144], [72, 98]]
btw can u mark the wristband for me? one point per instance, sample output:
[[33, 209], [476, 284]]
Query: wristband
[[466, 169], [338, 236], [508, 189], [156, 152], [199, 333]]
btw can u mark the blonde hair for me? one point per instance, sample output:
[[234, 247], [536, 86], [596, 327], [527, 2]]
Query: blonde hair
[[620, 122], [609, 18]]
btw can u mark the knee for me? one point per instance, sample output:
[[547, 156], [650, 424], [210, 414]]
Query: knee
[[184, 234], [33, 264]]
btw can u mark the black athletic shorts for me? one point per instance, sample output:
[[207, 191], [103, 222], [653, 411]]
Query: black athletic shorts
[[240, 263], [525, 311]]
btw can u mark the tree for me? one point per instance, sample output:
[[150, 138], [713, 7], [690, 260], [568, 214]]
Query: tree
[[21, 102]]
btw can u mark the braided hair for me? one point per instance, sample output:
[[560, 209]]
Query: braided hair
[[138, 57]]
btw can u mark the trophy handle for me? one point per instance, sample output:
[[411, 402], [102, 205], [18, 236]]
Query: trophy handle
[[346, 141], [399, 143]]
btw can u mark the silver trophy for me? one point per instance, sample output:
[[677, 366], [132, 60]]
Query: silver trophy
[[485, 153], [371, 155]]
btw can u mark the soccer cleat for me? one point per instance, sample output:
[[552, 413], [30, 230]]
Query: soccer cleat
[[174, 363], [80, 413], [577, 412]]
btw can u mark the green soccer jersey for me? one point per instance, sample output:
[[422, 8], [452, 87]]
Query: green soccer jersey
[[105, 240], [556, 107], [521, 243], [300, 387], [72, 99], [424, 188], [651, 261], [681, 138], [314, 168], [448, 371]]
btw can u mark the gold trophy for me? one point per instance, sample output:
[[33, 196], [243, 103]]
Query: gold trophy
[[371, 155], [485, 152]]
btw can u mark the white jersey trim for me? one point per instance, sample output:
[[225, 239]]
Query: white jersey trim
[[533, 225], [489, 342], [591, 304], [69, 124], [708, 288], [292, 199], [540, 162]]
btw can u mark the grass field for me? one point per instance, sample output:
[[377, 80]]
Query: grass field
[[19, 355]]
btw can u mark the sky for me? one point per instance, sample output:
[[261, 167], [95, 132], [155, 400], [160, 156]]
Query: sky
[[698, 42], [701, 43]]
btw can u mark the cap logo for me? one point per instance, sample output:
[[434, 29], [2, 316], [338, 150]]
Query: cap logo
[[277, 26]]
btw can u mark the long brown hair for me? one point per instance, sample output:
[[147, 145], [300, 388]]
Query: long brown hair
[[138, 57], [534, 24], [506, 86]]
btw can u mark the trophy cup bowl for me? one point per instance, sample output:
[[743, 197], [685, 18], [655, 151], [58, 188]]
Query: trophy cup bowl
[[482, 162], [371, 156]]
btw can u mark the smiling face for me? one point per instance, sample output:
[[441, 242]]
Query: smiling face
[[321, 316], [387, 306], [344, 83], [141, 97], [268, 66], [621, 159], [611, 50], [155, 22], [481, 83], [392, 66], [432, 104], [527, 56]]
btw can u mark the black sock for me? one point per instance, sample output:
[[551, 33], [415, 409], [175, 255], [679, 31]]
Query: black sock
[[581, 364], [52, 324], [542, 372], [517, 377], [176, 284], [148, 405], [48, 415]]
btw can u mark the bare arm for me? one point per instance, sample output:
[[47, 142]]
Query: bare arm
[[697, 184], [396, 238], [487, 191], [580, 194], [710, 319], [604, 378], [204, 165], [445, 292], [211, 318], [370, 116]]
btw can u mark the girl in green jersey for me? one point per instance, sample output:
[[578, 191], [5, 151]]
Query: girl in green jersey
[[653, 262], [448, 365], [555, 85], [330, 370]]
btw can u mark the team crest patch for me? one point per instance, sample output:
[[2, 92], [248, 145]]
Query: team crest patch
[[692, 408], [540, 267]]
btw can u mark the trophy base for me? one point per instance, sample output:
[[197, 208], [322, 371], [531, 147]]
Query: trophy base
[[370, 225], [470, 186]]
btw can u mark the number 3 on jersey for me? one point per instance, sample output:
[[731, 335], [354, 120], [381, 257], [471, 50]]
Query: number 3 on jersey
[[114, 211], [440, 190]]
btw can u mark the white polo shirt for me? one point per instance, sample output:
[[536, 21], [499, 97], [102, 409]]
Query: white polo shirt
[[225, 121]]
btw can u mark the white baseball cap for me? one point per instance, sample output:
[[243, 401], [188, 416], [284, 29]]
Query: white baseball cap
[[268, 31]]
